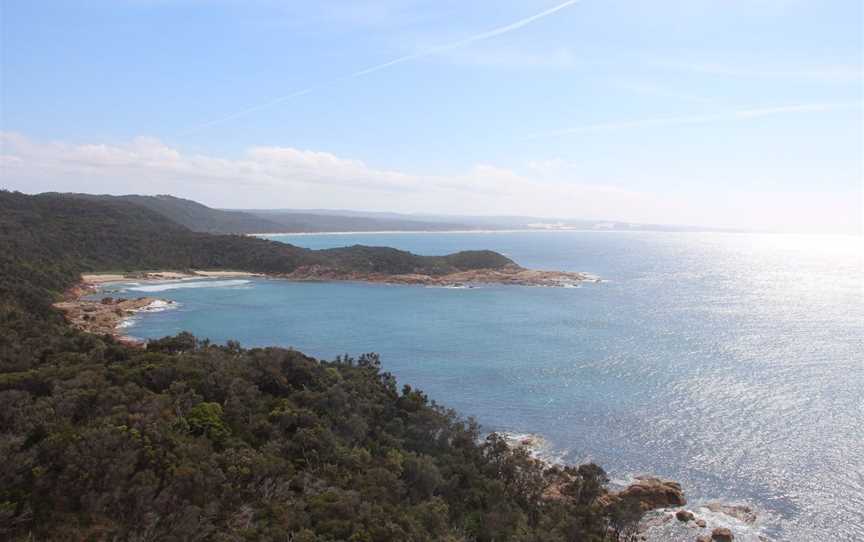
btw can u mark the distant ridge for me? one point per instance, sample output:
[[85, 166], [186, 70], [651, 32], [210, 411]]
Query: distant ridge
[[191, 214], [200, 218]]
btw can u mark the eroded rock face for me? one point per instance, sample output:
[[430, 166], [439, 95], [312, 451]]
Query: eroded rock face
[[652, 493], [722, 534]]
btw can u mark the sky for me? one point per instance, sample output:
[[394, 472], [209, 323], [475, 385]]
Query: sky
[[725, 113]]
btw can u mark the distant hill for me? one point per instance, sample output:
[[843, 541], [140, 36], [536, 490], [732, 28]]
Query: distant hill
[[193, 215], [335, 221], [200, 218], [349, 220]]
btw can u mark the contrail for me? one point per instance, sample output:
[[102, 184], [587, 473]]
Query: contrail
[[378, 67], [468, 41], [695, 119]]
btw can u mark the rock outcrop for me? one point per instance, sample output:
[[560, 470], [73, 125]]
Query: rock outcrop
[[104, 316], [650, 493], [722, 534]]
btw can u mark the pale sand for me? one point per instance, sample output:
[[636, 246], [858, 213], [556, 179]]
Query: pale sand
[[102, 278]]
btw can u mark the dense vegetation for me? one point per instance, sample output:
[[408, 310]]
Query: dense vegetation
[[186, 440], [200, 218]]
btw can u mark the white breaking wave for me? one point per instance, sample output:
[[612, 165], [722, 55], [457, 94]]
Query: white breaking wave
[[157, 305], [127, 322], [164, 287]]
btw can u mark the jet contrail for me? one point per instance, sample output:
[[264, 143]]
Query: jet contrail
[[468, 41], [378, 67], [696, 119]]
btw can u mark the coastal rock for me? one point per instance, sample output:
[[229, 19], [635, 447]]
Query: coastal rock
[[701, 523], [737, 511], [651, 493], [511, 274], [703, 538], [685, 515], [102, 317], [722, 534]]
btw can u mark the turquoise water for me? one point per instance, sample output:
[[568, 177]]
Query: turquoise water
[[732, 363]]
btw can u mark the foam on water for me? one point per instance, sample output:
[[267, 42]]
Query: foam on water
[[164, 286], [157, 305], [537, 446]]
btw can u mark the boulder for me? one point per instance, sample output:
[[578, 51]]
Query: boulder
[[685, 515], [701, 523], [703, 538], [652, 493], [722, 534]]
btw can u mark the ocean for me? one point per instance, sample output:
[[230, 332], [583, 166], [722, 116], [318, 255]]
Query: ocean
[[732, 363]]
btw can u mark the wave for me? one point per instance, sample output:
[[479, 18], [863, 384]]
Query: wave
[[157, 305], [164, 287]]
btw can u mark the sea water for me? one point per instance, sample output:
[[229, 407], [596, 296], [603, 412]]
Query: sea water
[[732, 363]]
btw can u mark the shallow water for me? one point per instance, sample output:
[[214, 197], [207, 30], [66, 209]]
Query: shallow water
[[732, 363]]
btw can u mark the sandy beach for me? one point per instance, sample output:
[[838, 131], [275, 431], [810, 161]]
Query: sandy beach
[[103, 278]]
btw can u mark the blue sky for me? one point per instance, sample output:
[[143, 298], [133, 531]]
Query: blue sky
[[742, 113]]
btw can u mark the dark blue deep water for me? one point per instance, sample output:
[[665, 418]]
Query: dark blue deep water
[[732, 363]]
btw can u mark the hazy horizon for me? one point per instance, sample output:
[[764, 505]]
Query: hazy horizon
[[652, 113]]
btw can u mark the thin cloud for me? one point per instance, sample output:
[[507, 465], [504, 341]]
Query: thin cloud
[[385, 65], [740, 114], [822, 73]]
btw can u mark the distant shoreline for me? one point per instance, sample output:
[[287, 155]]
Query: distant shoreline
[[389, 232], [305, 233], [526, 230]]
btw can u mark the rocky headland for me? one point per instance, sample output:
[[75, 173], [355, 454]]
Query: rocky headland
[[510, 274], [105, 316]]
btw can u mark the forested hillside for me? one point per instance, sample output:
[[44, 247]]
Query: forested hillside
[[115, 235], [186, 440]]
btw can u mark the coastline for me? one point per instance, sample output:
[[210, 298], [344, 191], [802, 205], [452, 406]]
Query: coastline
[[425, 232], [103, 278], [667, 514], [107, 315], [662, 501]]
